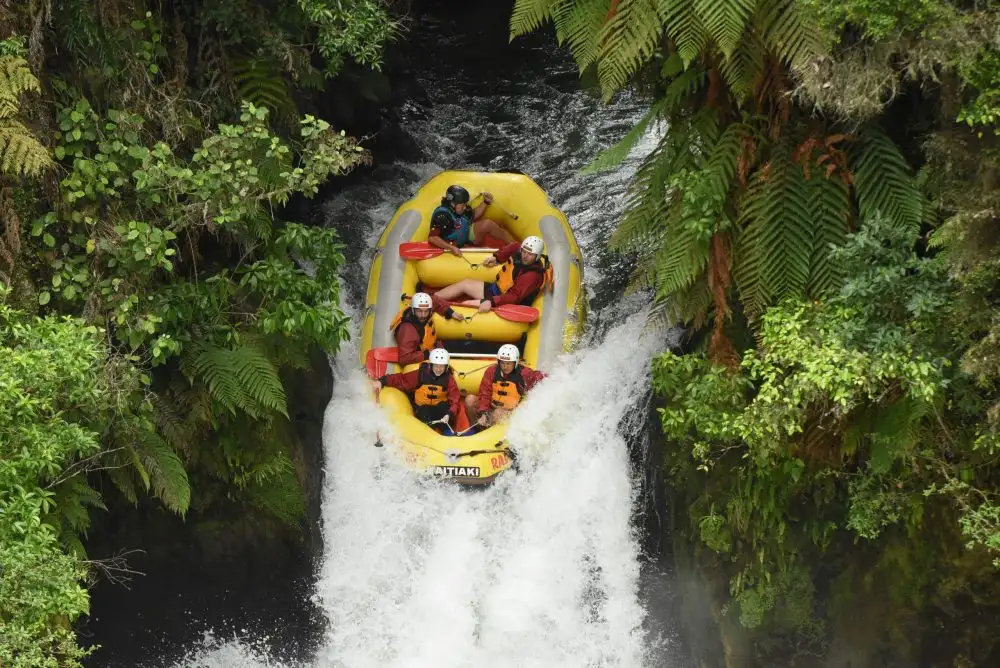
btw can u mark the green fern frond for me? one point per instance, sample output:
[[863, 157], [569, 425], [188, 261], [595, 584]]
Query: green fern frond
[[167, 477], [281, 496], [123, 477], [15, 79], [648, 199], [776, 249], [725, 156], [895, 430], [171, 422], [725, 21], [682, 88], [74, 499], [240, 378], [682, 260], [613, 156], [829, 211], [628, 39], [790, 32], [529, 15], [741, 69], [264, 86], [578, 24], [20, 152], [884, 182], [686, 28]]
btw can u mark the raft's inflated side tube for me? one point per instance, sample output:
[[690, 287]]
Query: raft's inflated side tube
[[392, 280]]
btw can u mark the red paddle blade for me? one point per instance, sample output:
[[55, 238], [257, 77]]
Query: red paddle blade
[[377, 361], [517, 313], [418, 250]]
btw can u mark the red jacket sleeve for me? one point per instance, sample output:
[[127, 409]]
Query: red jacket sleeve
[[504, 253], [454, 397], [441, 307], [407, 382], [531, 377], [408, 343], [486, 389], [524, 285]]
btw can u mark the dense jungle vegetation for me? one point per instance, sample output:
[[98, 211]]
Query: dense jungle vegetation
[[152, 295], [822, 213]]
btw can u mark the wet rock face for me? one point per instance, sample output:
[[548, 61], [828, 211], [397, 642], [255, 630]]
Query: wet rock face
[[309, 392]]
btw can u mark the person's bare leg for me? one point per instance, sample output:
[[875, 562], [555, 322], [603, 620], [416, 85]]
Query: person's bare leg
[[486, 226], [467, 288], [472, 407]]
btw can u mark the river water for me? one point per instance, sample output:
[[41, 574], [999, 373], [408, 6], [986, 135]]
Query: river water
[[546, 568]]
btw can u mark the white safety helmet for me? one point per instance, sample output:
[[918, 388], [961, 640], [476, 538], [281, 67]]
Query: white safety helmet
[[533, 244], [421, 300], [439, 356], [508, 353]]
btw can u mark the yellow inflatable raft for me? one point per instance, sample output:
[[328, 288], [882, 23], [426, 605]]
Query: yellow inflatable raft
[[524, 209]]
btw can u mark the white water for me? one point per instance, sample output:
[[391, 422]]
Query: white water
[[539, 570]]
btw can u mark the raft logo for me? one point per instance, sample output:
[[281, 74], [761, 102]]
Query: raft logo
[[456, 471]]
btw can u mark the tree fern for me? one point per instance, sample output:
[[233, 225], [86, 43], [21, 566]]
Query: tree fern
[[681, 261], [241, 378], [686, 28], [681, 88], [20, 152], [578, 24], [628, 39], [15, 80], [165, 472], [71, 511], [790, 32], [615, 155], [725, 21], [884, 182], [777, 248], [829, 211], [263, 86], [529, 15]]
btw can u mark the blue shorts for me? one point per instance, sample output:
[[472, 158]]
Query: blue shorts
[[490, 290]]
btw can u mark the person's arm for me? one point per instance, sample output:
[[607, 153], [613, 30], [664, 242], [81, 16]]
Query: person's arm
[[531, 377], [481, 209], [408, 344], [407, 382], [527, 283], [434, 238], [506, 252], [486, 390], [454, 397], [444, 308]]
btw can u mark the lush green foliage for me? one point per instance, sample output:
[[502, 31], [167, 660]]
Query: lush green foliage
[[832, 436], [54, 404], [142, 197]]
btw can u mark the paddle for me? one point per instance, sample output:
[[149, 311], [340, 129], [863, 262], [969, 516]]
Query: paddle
[[377, 359], [513, 312], [424, 250], [418, 250]]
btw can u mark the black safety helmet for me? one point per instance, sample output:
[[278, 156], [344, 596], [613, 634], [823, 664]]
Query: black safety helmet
[[456, 195]]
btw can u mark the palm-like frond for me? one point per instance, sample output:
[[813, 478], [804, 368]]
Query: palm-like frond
[[578, 24], [777, 248], [20, 152], [725, 21], [241, 378], [829, 210], [884, 182], [529, 15]]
